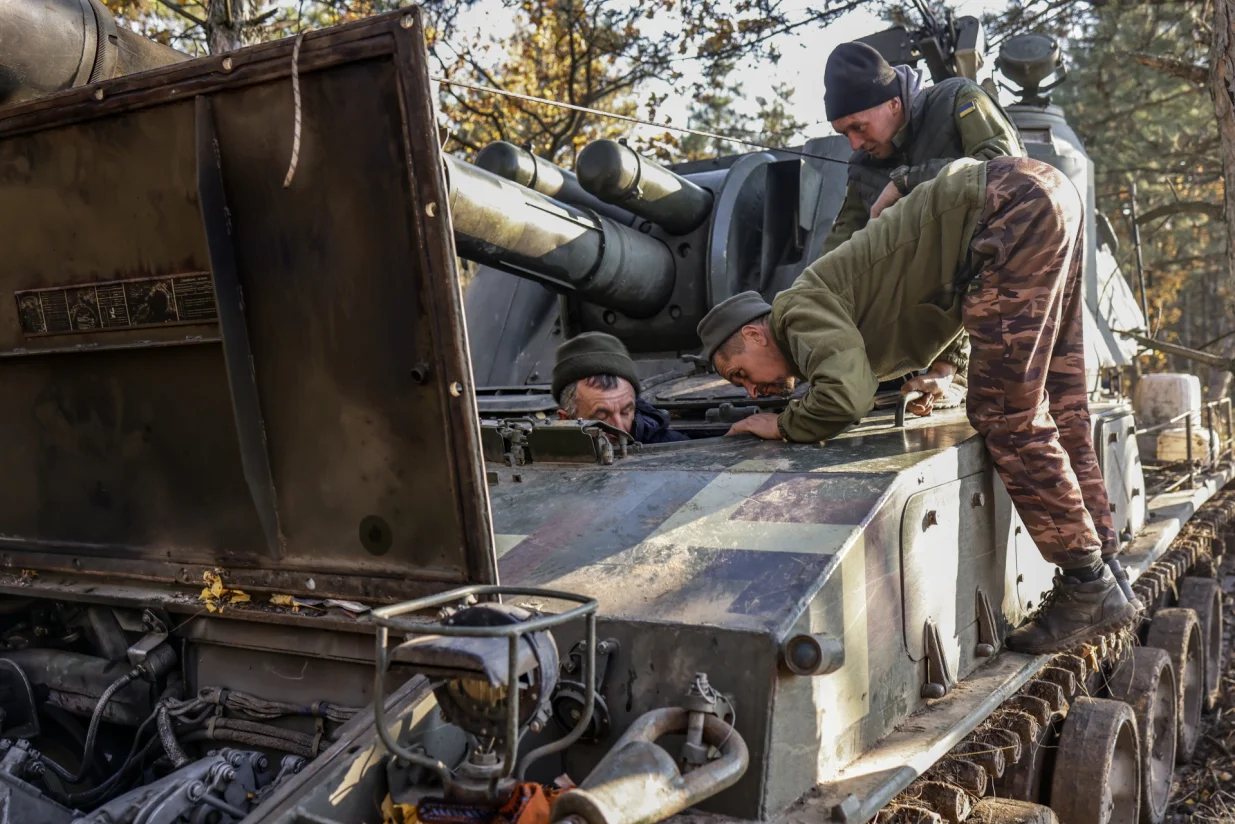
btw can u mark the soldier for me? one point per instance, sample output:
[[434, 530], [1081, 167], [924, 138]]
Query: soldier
[[996, 248], [901, 135], [594, 378]]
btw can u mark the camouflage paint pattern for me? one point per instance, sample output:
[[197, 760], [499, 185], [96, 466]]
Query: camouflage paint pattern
[[1027, 392]]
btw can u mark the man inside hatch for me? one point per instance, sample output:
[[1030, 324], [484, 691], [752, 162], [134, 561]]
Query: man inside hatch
[[594, 378]]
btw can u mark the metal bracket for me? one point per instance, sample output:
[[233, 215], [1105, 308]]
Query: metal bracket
[[939, 681], [902, 406], [569, 696], [728, 413], [988, 629], [155, 632], [524, 441], [237, 352]]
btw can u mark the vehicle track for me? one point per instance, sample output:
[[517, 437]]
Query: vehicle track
[[1011, 755], [1205, 788]]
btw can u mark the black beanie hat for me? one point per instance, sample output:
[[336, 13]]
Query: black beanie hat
[[592, 353], [857, 78]]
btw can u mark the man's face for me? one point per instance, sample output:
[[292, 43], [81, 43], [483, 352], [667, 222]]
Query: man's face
[[873, 129], [759, 368], [615, 406]]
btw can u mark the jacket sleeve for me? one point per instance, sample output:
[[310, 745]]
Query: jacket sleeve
[[853, 216], [829, 351], [985, 134], [957, 353]]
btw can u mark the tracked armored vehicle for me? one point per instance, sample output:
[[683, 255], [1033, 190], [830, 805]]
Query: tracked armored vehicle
[[288, 535]]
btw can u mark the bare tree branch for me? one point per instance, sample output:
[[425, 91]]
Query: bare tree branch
[[1173, 66], [1184, 207], [180, 10]]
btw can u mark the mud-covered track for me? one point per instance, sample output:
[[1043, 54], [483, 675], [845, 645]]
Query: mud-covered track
[[1013, 754]]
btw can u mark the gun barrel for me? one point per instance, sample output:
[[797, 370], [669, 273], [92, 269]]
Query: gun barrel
[[53, 45], [512, 228], [619, 175], [527, 169]]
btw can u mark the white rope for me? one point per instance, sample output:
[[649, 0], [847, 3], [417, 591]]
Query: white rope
[[291, 169], [627, 118]]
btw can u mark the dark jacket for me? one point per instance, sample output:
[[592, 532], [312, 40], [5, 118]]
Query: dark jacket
[[947, 121], [652, 426]]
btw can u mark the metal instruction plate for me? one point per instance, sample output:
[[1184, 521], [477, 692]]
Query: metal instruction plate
[[118, 305]]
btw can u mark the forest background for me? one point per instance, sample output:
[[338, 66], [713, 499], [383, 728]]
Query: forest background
[[1149, 91]]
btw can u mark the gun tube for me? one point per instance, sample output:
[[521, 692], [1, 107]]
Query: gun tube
[[521, 166], [54, 45], [617, 174], [512, 228]]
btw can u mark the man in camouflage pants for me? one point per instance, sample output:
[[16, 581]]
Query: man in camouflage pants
[[995, 248]]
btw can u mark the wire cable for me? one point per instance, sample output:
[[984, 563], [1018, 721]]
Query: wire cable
[[637, 120]]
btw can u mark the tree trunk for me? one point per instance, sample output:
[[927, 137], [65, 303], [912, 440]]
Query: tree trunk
[[1222, 87], [224, 22]]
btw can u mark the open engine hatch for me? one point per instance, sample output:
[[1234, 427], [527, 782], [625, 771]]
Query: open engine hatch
[[209, 360]]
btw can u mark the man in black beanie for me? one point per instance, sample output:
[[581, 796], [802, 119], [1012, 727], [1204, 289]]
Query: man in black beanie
[[594, 378], [902, 135]]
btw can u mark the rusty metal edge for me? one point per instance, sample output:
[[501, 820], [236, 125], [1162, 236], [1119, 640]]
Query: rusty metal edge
[[372, 37], [431, 224]]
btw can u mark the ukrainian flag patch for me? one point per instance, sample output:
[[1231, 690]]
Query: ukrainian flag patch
[[966, 109]]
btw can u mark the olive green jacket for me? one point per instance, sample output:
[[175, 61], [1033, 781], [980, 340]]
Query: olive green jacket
[[880, 306], [984, 133]]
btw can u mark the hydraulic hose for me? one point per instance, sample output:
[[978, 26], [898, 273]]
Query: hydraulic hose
[[168, 736], [252, 740], [87, 756]]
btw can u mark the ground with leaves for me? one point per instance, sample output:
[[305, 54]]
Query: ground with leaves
[[1205, 789]]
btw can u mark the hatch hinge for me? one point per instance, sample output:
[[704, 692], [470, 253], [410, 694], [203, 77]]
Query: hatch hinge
[[988, 629], [939, 679], [521, 441]]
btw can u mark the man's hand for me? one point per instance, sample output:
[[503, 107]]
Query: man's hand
[[762, 424], [887, 197], [933, 384]]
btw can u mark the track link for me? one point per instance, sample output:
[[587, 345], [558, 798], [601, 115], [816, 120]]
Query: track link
[[1008, 737]]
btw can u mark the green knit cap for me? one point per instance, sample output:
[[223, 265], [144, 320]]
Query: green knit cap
[[592, 353]]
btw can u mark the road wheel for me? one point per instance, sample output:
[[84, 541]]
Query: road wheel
[[1177, 632], [1008, 811], [1146, 681], [1204, 597], [1097, 777]]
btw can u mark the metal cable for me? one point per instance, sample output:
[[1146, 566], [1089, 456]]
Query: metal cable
[[627, 118]]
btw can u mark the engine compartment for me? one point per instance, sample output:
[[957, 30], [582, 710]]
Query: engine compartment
[[108, 715]]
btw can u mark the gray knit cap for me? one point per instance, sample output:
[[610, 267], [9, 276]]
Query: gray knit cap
[[727, 317]]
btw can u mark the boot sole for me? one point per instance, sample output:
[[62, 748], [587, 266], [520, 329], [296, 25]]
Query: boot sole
[[1114, 623]]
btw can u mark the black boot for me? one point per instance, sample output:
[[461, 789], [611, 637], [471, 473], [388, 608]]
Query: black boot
[[1074, 614]]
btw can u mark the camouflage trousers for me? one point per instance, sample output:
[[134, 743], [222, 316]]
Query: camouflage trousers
[[1027, 392]]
